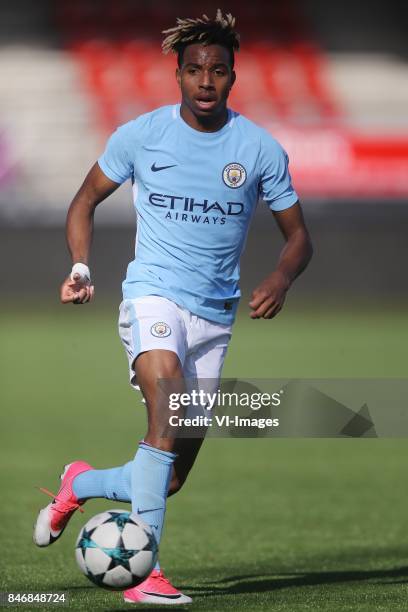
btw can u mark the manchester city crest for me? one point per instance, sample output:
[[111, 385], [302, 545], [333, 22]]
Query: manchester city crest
[[234, 175], [160, 330]]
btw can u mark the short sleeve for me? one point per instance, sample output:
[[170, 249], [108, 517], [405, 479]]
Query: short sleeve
[[115, 162], [275, 181]]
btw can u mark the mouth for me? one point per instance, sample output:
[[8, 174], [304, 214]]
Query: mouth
[[206, 103]]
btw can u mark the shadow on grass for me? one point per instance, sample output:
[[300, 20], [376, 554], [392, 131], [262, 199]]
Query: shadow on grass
[[261, 583], [256, 583]]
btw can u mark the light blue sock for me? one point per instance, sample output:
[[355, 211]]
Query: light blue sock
[[150, 472], [111, 484], [150, 478]]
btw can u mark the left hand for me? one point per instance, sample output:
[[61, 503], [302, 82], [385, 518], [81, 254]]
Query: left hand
[[268, 298]]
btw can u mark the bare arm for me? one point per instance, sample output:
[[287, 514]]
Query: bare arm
[[79, 228], [268, 298]]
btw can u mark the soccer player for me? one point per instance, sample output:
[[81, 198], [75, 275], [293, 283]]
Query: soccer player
[[197, 170]]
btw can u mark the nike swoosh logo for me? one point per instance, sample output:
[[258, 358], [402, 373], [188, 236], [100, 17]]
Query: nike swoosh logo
[[161, 595], [155, 168], [148, 510]]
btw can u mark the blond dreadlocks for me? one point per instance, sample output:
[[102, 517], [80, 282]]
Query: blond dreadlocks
[[203, 30]]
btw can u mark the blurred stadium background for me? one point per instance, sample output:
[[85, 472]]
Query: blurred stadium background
[[330, 81], [331, 84]]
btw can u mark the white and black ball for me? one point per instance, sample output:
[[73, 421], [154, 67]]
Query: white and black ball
[[116, 550]]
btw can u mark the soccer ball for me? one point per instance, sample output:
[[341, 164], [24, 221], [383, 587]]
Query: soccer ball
[[116, 550]]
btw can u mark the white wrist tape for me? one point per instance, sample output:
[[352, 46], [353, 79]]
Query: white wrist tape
[[83, 271]]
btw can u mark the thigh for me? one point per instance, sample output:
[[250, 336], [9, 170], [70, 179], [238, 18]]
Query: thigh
[[159, 373], [151, 323], [207, 359], [202, 370]]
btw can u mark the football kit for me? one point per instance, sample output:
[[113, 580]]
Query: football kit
[[194, 194]]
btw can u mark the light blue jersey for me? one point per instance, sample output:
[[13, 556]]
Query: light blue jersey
[[194, 194]]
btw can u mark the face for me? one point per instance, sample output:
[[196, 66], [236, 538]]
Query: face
[[205, 80]]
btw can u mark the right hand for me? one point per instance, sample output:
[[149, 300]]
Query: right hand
[[76, 291]]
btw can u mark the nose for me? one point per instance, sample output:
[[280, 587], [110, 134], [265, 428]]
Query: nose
[[206, 80]]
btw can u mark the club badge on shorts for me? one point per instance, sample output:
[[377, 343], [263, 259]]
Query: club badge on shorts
[[160, 330], [234, 175]]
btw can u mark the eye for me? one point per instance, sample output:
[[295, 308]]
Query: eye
[[219, 72], [192, 71]]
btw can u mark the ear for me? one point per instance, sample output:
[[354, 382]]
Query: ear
[[178, 76]]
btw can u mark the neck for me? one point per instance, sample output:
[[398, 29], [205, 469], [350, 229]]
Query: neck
[[204, 124]]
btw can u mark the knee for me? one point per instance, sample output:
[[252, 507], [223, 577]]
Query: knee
[[169, 367], [156, 364]]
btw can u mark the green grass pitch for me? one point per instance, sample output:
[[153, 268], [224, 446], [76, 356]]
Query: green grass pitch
[[262, 524]]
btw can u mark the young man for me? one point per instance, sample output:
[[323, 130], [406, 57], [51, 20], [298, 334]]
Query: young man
[[198, 170]]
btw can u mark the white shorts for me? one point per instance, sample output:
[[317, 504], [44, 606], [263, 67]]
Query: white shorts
[[154, 322]]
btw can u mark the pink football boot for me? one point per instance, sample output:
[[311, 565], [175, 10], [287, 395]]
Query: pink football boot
[[156, 589], [53, 519]]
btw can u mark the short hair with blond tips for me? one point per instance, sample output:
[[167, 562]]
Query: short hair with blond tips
[[202, 30]]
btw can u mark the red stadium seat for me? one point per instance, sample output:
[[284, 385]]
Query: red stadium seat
[[280, 74]]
